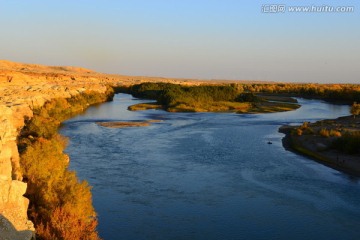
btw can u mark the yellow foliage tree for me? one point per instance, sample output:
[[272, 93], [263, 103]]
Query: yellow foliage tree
[[355, 109], [60, 205]]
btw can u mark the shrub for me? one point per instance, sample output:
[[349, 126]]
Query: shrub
[[335, 133], [355, 109], [52, 187], [305, 125], [329, 133], [324, 132], [299, 132]]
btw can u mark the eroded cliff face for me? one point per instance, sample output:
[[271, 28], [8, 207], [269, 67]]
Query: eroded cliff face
[[14, 223]]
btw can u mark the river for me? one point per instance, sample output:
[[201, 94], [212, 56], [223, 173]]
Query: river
[[209, 176]]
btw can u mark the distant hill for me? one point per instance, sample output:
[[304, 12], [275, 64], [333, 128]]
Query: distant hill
[[14, 66]]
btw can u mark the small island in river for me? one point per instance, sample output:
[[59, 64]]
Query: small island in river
[[208, 98]]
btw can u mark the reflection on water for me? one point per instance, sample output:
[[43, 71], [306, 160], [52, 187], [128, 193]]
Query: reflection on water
[[209, 176]]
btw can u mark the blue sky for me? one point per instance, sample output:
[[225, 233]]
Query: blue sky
[[213, 39]]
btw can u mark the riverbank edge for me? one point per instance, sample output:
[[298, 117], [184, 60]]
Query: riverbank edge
[[293, 144]]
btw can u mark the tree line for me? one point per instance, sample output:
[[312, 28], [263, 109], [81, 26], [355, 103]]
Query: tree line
[[169, 94]]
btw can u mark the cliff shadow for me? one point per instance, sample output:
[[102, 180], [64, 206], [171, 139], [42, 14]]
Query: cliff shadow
[[9, 232]]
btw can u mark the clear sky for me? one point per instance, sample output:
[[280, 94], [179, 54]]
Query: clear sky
[[211, 39]]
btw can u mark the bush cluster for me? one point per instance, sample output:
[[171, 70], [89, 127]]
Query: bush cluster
[[304, 129], [60, 204], [329, 133]]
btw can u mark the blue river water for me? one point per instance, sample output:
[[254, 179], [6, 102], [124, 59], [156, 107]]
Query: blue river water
[[209, 176]]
